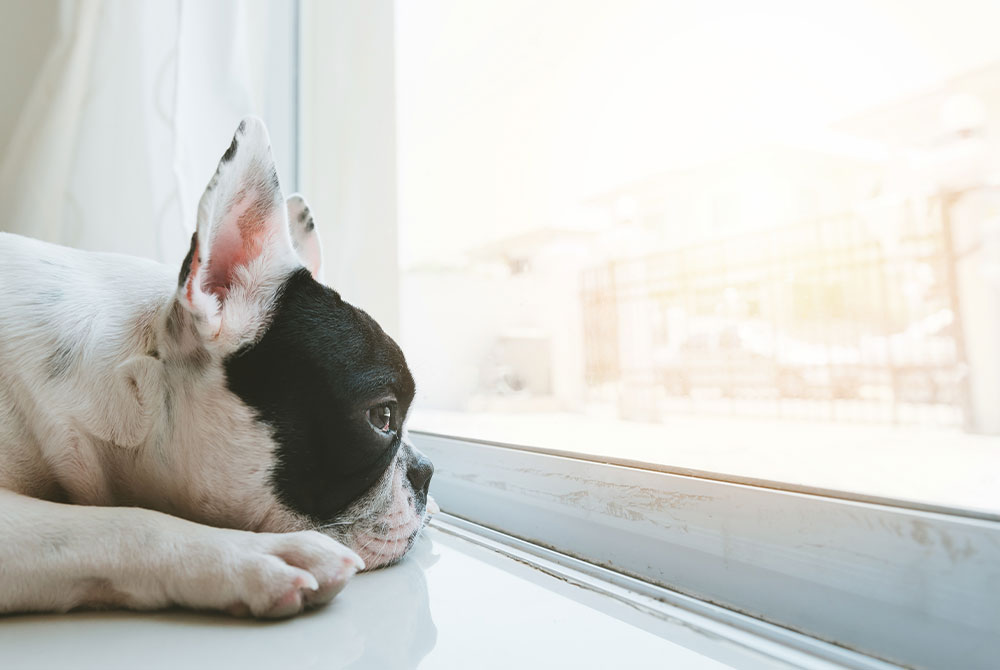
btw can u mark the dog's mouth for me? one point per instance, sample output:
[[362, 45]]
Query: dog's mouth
[[379, 550], [389, 540], [383, 533], [379, 544]]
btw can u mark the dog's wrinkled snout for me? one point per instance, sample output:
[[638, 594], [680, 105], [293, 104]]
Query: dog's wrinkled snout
[[419, 471]]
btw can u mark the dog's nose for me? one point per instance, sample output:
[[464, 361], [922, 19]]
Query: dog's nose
[[419, 473]]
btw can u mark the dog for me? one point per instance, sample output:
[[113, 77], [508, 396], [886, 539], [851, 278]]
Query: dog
[[227, 437]]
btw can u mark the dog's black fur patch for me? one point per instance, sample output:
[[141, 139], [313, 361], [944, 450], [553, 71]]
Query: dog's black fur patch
[[186, 265], [231, 151], [319, 367]]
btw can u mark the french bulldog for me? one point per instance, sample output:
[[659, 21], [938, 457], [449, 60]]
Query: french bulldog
[[226, 437]]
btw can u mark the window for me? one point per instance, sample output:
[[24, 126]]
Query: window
[[649, 232], [702, 294]]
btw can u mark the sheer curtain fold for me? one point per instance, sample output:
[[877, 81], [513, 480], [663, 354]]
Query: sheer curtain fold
[[126, 121]]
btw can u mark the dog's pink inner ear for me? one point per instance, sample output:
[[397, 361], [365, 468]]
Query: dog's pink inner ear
[[239, 239]]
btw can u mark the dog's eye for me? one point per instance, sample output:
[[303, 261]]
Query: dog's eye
[[380, 417]]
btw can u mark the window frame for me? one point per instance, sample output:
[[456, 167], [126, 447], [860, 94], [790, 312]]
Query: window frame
[[704, 621], [914, 586], [904, 585]]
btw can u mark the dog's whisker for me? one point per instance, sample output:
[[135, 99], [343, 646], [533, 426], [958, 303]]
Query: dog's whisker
[[334, 523], [378, 557], [366, 544]]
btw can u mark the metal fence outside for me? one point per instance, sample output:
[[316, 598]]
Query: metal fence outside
[[837, 318]]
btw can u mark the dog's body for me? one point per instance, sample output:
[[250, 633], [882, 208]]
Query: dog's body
[[204, 427]]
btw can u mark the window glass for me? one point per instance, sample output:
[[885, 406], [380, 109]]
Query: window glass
[[754, 238]]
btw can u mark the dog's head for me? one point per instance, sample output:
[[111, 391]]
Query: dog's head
[[326, 388]]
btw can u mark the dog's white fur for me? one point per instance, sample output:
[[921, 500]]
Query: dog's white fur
[[112, 398]]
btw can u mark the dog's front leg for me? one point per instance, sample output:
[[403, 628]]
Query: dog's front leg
[[54, 557]]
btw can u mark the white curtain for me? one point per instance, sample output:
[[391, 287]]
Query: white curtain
[[126, 122]]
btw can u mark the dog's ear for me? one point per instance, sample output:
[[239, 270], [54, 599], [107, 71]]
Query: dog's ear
[[242, 248], [305, 237]]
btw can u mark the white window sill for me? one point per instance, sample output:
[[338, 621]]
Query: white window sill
[[453, 603]]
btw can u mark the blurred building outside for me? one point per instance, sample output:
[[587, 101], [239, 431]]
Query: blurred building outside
[[852, 276]]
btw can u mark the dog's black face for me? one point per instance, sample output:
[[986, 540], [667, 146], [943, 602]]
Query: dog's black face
[[334, 389]]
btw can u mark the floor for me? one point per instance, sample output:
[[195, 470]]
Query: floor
[[450, 604]]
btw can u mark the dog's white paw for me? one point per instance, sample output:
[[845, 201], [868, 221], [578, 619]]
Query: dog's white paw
[[277, 575]]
